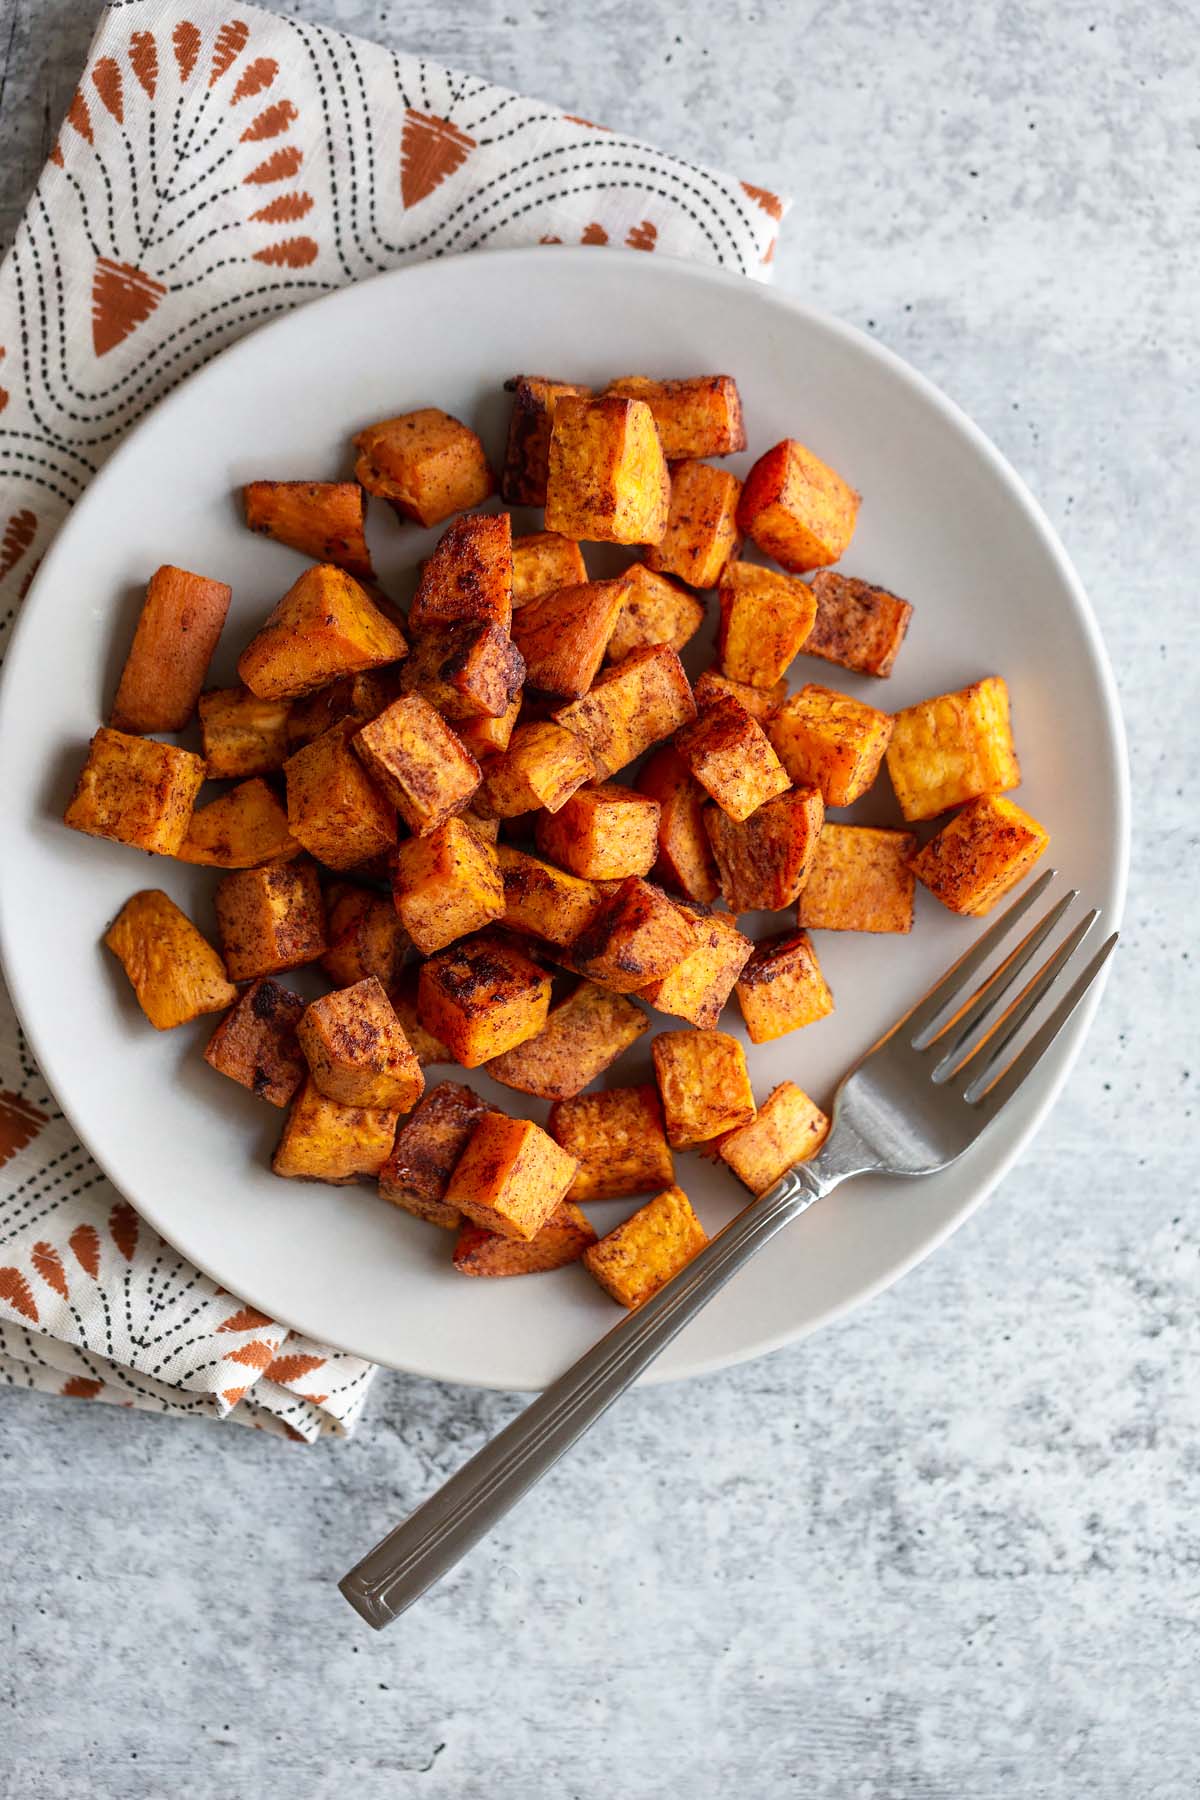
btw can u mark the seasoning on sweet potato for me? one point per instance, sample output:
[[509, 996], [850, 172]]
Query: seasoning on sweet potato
[[685, 859], [765, 621], [240, 830], [617, 1137], [527, 456], [543, 561], [787, 1128], [324, 520], [797, 509], [983, 852], [656, 611], [697, 988], [135, 791], [607, 479], [481, 997], [760, 703], [468, 575], [176, 634], [830, 740], [175, 972], [255, 1044], [365, 936], [466, 670], [602, 833], [953, 748], [765, 860], [488, 735], [270, 919], [703, 1084], [700, 415], [583, 1035], [631, 706], [427, 1146], [730, 755], [858, 626], [782, 988], [357, 1051], [412, 755], [702, 533], [358, 697], [323, 1140], [325, 626], [636, 936], [403, 995], [562, 1240], [242, 735], [633, 1262], [333, 807], [563, 636], [542, 767], [510, 1177], [543, 901], [445, 885], [426, 463], [861, 880]]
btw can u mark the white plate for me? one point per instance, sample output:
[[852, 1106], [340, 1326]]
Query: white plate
[[944, 521]]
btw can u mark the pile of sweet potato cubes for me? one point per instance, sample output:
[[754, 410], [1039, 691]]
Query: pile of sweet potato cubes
[[376, 759]]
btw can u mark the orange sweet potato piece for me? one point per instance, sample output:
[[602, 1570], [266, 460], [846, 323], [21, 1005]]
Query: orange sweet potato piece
[[542, 767], [953, 748], [427, 1146], [412, 755], [631, 706], [135, 791], [481, 997], [765, 620], [543, 901], [426, 463], [357, 1051], [583, 1035], [602, 833], [527, 456], [607, 479], [325, 626], [786, 1129], [633, 1262], [656, 611], [465, 670], [511, 1177], [730, 755], [562, 1240], [782, 988], [760, 703], [618, 1139], [240, 830], [636, 936], [703, 1084], [861, 880], [469, 575], [324, 520], [333, 807], [543, 561], [323, 1140], [858, 626], [831, 740], [702, 532], [700, 415], [445, 885], [176, 974], [242, 735], [983, 852], [563, 636], [365, 937], [765, 860], [255, 1044], [797, 509], [270, 919], [176, 634], [685, 859], [697, 988], [359, 697]]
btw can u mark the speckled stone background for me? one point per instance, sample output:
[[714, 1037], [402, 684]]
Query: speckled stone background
[[949, 1550]]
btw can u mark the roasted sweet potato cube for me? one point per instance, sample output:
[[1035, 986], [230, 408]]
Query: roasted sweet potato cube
[[633, 1262], [427, 464], [782, 988], [357, 1051], [602, 833], [177, 632], [487, 829], [636, 936], [467, 671], [656, 611], [982, 853], [256, 1045], [334, 808], [607, 478], [365, 936], [325, 626], [510, 1177], [542, 767], [489, 736], [563, 636], [618, 1140], [730, 755], [527, 456], [702, 533], [428, 1144], [542, 901], [831, 741], [644, 698], [703, 1085], [764, 861], [543, 561], [700, 415], [358, 697], [760, 703], [481, 997], [403, 995], [323, 1140], [324, 520], [270, 919], [562, 1240], [765, 619], [685, 859], [241, 830], [468, 575], [242, 735], [583, 1035], [135, 791], [953, 748], [797, 509], [175, 972], [858, 626], [697, 988], [861, 880], [788, 1128], [446, 885], [413, 757]]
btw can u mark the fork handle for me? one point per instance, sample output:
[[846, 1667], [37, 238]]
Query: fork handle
[[418, 1552]]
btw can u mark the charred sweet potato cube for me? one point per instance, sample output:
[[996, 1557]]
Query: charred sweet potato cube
[[241, 830], [489, 736], [527, 456], [468, 575], [542, 901], [177, 632], [858, 626], [324, 520], [466, 671], [323, 1140], [602, 833], [861, 880], [543, 561], [334, 808], [765, 619], [426, 463], [607, 478], [685, 859], [427, 1146], [175, 972], [786, 1129], [644, 698], [563, 636], [633, 1262], [730, 755], [445, 885], [700, 415], [831, 741], [617, 1137], [951, 749], [358, 697], [542, 767], [510, 1177], [562, 1240], [270, 919], [357, 1051], [403, 995], [760, 703], [656, 611], [583, 1035], [702, 533], [697, 988], [481, 997], [636, 936], [365, 937], [797, 509], [325, 626], [242, 735], [982, 853], [764, 861], [703, 1085], [413, 757], [782, 988], [135, 791], [255, 1044]]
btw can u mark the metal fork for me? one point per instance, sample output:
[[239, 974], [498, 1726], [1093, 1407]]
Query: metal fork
[[910, 1106]]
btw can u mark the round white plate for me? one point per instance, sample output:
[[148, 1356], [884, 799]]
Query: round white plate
[[944, 522]]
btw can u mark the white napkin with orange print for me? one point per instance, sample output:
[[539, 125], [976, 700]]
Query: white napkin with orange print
[[219, 165]]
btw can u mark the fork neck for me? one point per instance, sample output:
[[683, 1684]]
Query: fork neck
[[842, 1155]]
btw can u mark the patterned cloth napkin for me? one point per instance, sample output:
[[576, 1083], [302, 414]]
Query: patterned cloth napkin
[[220, 165]]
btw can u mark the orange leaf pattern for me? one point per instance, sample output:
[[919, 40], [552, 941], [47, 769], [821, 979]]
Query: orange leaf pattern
[[15, 1292], [19, 533], [143, 60], [292, 253], [81, 1387], [122, 297], [291, 1368], [254, 78], [270, 122], [284, 209], [85, 1242], [186, 40], [256, 1355], [593, 234], [231, 41], [770, 203], [123, 1223], [430, 150], [643, 236], [247, 1318], [49, 1265], [278, 166], [79, 116], [106, 79]]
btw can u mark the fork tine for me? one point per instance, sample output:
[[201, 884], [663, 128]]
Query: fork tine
[[991, 995], [1001, 1091], [952, 984], [986, 1055]]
